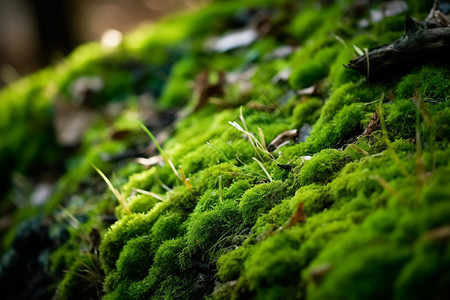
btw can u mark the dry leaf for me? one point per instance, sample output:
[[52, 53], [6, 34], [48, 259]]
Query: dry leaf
[[374, 125], [204, 89], [298, 217]]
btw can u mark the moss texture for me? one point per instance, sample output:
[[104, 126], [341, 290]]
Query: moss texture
[[331, 214]]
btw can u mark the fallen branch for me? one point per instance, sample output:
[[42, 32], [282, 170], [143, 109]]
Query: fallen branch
[[417, 45]]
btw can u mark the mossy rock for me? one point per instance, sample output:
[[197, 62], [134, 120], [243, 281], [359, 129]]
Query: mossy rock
[[350, 207]]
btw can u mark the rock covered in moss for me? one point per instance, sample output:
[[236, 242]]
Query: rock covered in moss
[[339, 212]]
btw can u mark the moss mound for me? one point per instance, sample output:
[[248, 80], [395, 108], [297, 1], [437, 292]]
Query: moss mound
[[272, 172]]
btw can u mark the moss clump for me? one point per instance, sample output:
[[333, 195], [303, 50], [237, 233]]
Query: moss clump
[[322, 166], [270, 269], [306, 112], [167, 227], [315, 199], [431, 82], [399, 117], [427, 270], [260, 199], [317, 68], [329, 214], [231, 264], [207, 231], [135, 258], [142, 203], [84, 279]]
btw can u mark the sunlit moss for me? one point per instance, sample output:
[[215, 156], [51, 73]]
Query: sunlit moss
[[336, 215]]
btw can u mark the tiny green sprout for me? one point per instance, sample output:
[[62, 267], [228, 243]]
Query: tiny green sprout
[[359, 150], [116, 193], [180, 175], [341, 40], [220, 189], [73, 221], [161, 151], [364, 52]]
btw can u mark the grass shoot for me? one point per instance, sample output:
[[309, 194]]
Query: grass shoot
[[116, 193]]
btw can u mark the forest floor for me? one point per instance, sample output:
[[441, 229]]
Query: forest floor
[[246, 150]]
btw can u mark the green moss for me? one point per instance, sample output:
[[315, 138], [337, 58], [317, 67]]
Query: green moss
[[260, 199], [426, 274], [142, 203], [231, 264], [275, 264], [209, 177], [207, 231], [167, 227], [139, 224], [135, 258], [372, 269], [302, 24], [125, 229], [432, 82], [84, 279], [210, 198], [323, 166], [312, 71], [399, 117], [338, 75], [273, 220], [306, 112], [374, 215], [315, 199], [167, 258]]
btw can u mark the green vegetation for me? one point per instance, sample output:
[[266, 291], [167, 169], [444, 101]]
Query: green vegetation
[[337, 212]]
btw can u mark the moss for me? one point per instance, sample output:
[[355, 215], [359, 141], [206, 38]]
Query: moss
[[230, 265], [399, 117], [142, 203], [135, 258], [127, 228], [312, 71], [139, 224], [426, 274], [169, 278], [209, 177], [84, 279], [167, 258], [178, 91], [210, 198], [167, 227], [302, 23], [369, 270], [323, 166], [274, 263], [374, 218], [207, 231], [431, 82], [260, 199], [141, 180], [306, 112], [338, 75], [273, 220], [315, 199]]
